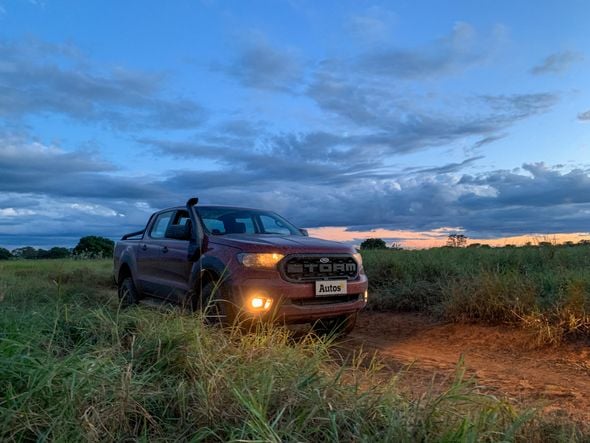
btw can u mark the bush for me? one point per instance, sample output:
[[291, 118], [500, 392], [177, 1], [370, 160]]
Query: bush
[[94, 247], [5, 254], [373, 243], [544, 288]]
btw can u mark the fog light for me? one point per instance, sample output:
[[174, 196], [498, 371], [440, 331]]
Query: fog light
[[258, 303], [366, 295]]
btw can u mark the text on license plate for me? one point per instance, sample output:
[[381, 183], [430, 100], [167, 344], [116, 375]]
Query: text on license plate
[[330, 287]]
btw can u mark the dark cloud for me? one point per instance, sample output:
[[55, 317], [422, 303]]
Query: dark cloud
[[458, 50], [557, 63], [30, 167], [313, 193], [261, 65], [584, 116], [340, 172], [487, 140], [41, 78], [451, 167], [385, 123]]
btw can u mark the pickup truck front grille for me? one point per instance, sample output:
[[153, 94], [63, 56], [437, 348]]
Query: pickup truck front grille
[[304, 268], [336, 299]]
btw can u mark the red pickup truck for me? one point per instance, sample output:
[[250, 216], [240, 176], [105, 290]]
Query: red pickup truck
[[241, 263]]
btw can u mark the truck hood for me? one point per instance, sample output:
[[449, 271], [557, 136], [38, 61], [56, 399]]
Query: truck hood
[[286, 244]]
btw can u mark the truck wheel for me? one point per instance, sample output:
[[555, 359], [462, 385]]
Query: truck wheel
[[214, 305], [340, 326], [128, 292]]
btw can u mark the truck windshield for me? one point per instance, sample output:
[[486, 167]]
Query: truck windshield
[[221, 221]]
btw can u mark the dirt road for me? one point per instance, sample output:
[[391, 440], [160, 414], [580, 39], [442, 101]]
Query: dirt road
[[556, 379]]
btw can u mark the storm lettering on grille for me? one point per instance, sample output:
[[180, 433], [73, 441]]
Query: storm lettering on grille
[[323, 268]]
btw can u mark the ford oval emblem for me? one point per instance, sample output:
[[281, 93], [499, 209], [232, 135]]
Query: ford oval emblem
[[324, 260]]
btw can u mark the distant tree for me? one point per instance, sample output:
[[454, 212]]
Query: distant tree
[[545, 244], [5, 254], [569, 243], [584, 242], [485, 246], [42, 253], [474, 245], [58, 252], [26, 252], [373, 243], [55, 252], [396, 246], [456, 240], [94, 246]]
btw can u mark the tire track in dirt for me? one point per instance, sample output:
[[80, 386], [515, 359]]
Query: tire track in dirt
[[501, 358]]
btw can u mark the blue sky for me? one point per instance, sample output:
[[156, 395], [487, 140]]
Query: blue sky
[[414, 118]]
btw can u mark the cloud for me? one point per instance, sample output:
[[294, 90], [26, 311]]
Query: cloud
[[385, 123], [460, 49], [557, 63], [341, 166], [33, 168], [584, 116], [451, 167], [261, 65], [373, 25], [43, 78]]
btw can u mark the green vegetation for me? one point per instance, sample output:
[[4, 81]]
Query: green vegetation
[[373, 243], [544, 288], [5, 254], [74, 366], [93, 246]]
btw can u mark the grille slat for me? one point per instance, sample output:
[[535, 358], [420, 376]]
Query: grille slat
[[305, 268], [326, 300]]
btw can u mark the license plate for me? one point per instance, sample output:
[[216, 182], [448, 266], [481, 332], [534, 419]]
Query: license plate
[[330, 287]]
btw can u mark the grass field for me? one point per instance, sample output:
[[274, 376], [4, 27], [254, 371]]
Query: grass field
[[546, 289], [74, 367]]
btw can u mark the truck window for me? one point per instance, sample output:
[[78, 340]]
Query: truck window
[[273, 225], [160, 225], [181, 218], [248, 227]]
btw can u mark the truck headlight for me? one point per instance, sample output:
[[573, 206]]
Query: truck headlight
[[262, 261], [359, 259]]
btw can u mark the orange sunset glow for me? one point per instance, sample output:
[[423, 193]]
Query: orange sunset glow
[[436, 237]]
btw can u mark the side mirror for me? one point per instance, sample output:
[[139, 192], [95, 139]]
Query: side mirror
[[304, 232], [179, 232]]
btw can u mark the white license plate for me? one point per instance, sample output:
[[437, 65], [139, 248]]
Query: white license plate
[[330, 287]]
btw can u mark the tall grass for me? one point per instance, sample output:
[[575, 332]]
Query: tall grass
[[75, 367], [544, 288]]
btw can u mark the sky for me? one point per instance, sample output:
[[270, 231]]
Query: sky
[[404, 120]]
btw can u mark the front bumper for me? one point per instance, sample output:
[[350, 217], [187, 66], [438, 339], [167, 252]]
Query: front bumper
[[297, 302]]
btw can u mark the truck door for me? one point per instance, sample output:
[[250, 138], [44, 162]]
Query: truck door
[[174, 266], [148, 255]]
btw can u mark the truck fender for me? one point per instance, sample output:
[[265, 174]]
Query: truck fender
[[204, 265], [128, 259]]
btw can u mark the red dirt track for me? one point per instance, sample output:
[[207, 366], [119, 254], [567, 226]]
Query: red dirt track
[[500, 358]]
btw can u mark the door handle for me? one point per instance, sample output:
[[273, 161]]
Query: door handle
[[165, 249], [144, 247]]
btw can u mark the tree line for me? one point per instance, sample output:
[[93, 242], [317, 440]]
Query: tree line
[[91, 246], [460, 241]]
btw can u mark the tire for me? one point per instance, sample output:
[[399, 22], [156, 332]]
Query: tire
[[127, 291], [212, 302], [339, 326]]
